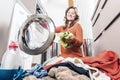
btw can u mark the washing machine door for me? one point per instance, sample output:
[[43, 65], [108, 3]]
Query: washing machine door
[[36, 34]]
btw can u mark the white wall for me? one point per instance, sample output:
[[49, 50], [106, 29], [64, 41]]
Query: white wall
[[6, 10], [85, 9], [55, 10]]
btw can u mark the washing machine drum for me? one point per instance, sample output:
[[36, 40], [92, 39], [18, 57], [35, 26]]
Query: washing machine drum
[[36, 34]]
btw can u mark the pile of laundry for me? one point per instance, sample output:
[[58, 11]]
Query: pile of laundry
[[104, 66]]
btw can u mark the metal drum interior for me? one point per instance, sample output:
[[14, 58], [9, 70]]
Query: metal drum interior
[[36, 34]]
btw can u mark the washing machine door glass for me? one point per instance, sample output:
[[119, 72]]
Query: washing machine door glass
[[36, 34]]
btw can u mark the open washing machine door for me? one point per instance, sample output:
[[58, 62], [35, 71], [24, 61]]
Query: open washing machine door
[[36, 34]]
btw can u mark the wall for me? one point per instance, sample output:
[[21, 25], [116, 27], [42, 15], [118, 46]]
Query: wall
[[85, 9], [6, 10], [55, 9]]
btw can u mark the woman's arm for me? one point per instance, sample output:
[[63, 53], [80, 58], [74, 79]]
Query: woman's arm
[[58, 29], [78, 41]]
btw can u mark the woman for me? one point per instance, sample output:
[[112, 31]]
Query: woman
[[72, 26]]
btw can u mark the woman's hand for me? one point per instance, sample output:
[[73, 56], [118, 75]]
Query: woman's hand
[[66, 39], [69, 40]]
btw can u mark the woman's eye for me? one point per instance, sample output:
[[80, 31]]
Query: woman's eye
[[71, 13]]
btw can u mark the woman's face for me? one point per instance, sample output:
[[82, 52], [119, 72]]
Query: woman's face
[[71, 14]]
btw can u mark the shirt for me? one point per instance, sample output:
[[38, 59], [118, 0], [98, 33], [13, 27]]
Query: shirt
[[75, 50]]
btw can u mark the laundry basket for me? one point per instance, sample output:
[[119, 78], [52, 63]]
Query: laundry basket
[[11, 74]]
